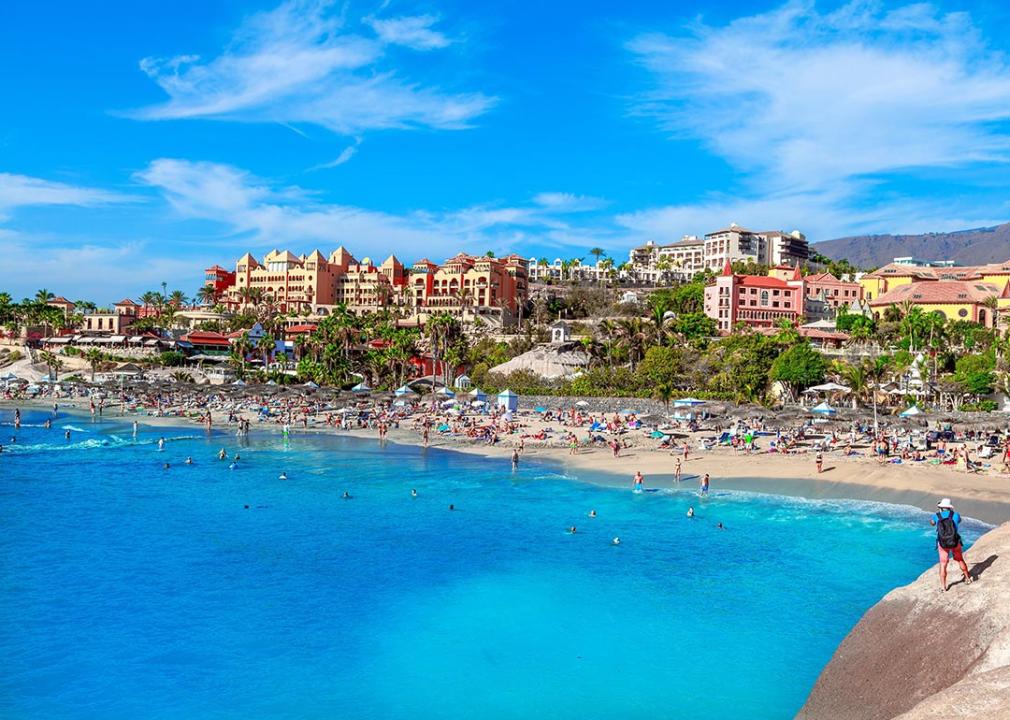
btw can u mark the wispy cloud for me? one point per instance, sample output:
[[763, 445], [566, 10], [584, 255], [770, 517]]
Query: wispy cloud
[[23, 191], [812, 109], [414, 32], [568, 202], [301, 63], [254, 211]]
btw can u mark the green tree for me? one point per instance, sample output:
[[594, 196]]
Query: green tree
[[797, 368]]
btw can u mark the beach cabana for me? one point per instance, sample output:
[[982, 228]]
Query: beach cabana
[[508, 400], [445, 392], [478, 395], [823, 409], [827, 388], [361, 387], [404, 390], [911, 412]]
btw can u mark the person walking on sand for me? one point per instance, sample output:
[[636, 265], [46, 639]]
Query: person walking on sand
[[948, 540], [820, 462]]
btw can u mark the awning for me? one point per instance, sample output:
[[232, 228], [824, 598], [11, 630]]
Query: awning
[[103, 340], [151, 342], [87, 340], [117, 338], [57, 340], [136, 339]]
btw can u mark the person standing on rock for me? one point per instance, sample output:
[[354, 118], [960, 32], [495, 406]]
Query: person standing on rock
[[948, 540]]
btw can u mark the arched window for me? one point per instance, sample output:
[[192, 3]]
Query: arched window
[[764, 298]]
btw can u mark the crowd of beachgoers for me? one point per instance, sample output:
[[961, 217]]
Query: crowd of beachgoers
[[566, 426]]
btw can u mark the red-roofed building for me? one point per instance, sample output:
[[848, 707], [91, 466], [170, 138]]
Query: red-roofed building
[[202, 341], [834, 293], [756, 300]]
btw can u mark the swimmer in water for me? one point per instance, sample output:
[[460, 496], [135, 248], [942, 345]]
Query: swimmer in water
[[167, 466], [592, 513], [67, 434], [515, 459], [346, 496], [616, 541], [222, 455], [232, 466], [48, 424], [135, 426], [452, 507], [639, 481], [571, 530], [283, 476], [704, 484], [237, 457], [161, 444], [413, 493], [189, 460], [690, 512], [720, 526]]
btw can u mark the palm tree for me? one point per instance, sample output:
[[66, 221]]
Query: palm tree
[[875, 370], [266, 345], [94, 358], [178, 299], [207, 294], [43, 296]]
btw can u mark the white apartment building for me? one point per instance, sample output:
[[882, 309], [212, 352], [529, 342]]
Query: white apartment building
[[681, 260]]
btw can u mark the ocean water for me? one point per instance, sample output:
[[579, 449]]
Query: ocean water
[[131, 591]]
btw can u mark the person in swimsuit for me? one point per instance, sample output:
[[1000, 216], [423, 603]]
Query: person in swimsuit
[[704, 484], [639, 481]]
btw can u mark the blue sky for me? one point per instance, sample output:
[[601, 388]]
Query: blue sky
[[141, 142]]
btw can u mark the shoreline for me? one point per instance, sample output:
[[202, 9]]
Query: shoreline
[[982, 497]]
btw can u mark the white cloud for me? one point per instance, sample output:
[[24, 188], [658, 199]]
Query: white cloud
[[410, 31], [299, 63], [22, 191], [808, 98], [255, 212], [96, 271], [808, 106], [568, 202]]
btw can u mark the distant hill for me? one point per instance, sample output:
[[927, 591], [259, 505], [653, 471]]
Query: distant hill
[[965, 247]]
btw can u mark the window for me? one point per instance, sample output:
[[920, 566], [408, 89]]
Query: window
[[962, 313], [764, 297]]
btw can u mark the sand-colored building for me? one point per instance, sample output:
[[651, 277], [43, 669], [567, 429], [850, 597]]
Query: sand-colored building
[[969, 300], [894, 275]]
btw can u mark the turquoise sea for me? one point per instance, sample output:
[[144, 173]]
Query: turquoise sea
[[131, 591]]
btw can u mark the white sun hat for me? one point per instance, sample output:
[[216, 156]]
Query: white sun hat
[[945, 503]]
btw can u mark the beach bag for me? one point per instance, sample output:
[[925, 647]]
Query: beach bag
[[946, 533]]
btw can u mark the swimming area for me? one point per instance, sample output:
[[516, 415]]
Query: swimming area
[[129, 590]]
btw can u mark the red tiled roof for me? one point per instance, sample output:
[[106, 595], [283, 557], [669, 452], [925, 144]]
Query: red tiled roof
[[766, 282], [937, 292], [298, 329], [59, 299], [201, 337], [126, 301]]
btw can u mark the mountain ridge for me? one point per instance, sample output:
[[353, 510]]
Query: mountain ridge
[[975, 246]]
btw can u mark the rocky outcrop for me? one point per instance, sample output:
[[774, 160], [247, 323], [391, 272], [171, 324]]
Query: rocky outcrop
[[920, 653]]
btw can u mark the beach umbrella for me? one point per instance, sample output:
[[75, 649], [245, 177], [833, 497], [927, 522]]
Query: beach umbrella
[[828, 387], [361, 388], [445, 392], [687, 402], [404, 390], [312, 385], [582, 404], [239, 382], [539, 409], [911, 412], [823, 409]]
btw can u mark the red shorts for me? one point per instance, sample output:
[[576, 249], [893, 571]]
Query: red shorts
[[945, 553]]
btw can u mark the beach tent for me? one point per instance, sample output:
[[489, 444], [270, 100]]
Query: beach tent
[[239, 382], [312, 385], [445, 392], [911, 412], [478, 395], [823, 409], [688, 402], [404, 390], [361, 387], [508, 400]]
